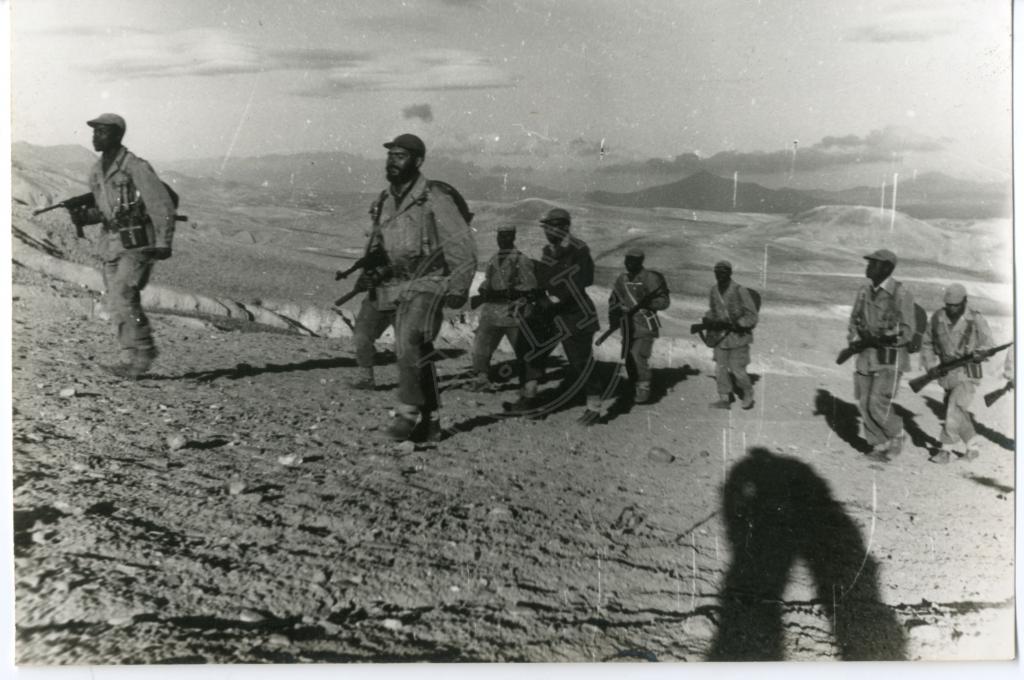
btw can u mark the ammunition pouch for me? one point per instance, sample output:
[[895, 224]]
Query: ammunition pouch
[[974, 370], [887, 355]]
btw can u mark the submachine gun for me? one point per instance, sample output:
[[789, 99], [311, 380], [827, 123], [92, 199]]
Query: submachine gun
[[995, 395], [374, 265], [88, 201], [918, 383]]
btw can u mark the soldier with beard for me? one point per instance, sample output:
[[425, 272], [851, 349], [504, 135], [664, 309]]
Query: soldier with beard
[[431, 259]]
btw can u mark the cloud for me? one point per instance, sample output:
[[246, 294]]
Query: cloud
[[421, 111], [888, 34], [424, 70], [207, 52], [910, 23], [832, 151]]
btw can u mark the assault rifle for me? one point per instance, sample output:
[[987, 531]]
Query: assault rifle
[[502, 296], [631, 311], [942, 369], [994, 396], [74, 203]]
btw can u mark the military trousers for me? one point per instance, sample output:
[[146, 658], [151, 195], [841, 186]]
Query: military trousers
[[578, 346], [370, 324], [731, 371], [417, 323], [875, 392], [958, 425], [125, 275], [636, 352], [487, 338]]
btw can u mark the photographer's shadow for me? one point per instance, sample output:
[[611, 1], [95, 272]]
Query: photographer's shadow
[[778, 510]]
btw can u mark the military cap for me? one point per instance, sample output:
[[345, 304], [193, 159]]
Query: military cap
[[410, 143], [556, 215], [111, 119], [507, 229], [724, 265], [882, 255], [955, 294], [635, 252]]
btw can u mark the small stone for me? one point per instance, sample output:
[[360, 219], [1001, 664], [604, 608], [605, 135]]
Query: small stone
[[454, 589], [406, 447], [120, 619], [698, 627], [355, 579], [279, 640], [68, 392], [660, 455], [250, 616], [392, 624], [318, 576], [290, 460], [176, 442], [236, 487]]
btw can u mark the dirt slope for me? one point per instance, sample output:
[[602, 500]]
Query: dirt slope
[[241, 506]]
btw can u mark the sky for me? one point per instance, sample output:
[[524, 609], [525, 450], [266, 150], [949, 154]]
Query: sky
[[815, 87]]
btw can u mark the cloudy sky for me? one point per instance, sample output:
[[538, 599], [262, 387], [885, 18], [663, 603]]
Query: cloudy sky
[[816, 87]]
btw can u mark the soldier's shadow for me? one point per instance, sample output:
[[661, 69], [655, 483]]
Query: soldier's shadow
[[245, 370], [663, 380], [777, 510], [997, 438], [842, 417]]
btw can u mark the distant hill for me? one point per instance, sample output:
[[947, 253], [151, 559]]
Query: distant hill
[[929, 195], [705, 191], [324, 175]]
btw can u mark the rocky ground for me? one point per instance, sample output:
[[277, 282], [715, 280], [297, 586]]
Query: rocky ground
[[242, 506]]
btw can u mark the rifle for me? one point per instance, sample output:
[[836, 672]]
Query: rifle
[[994, 396], [72, 204], [942, 369], [856, 347], [374, 260], [631, 311], [356, 266]]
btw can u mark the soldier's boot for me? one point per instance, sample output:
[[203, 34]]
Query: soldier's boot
[[429, 429], [365, 380], [748, 400], [973, 449], [941, 456], [722, 403], [592, 414], [527, 403], [643, 392], [403, 425], [137, 366], [895, 446], [880, 452]]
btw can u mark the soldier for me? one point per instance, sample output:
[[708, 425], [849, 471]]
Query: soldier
[[508, 286], [732, 313], [953, 332], [432, 258], [636, 297], [138, 216], [883, 318], [564, 271]]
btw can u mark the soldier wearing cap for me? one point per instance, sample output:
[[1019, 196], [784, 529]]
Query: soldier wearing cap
[[432, 259], [637, 296], [564, 272], [138, 216], [507, 293], [883, 319], [953, 332], [732, 314]]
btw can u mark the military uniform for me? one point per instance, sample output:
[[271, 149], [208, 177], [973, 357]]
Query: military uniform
[[371, 322], [886, 310], [432, 254], [509, 279], [128, 193], [641, 328], [735, 306], [945, 341]]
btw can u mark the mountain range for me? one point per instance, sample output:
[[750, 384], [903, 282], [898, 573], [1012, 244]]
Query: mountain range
[[328, 177]]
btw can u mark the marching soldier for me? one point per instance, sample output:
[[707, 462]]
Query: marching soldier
[[564, 272], [732, 313], [882, 319], [138, 216], [505, 294], [432, 258], [956, 331], [371, 322], [637, 296]]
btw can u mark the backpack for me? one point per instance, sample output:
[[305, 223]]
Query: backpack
[[756, 297], [920, 327]]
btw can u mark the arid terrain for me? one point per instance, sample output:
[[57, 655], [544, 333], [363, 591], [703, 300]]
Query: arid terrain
[[241, 505]]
